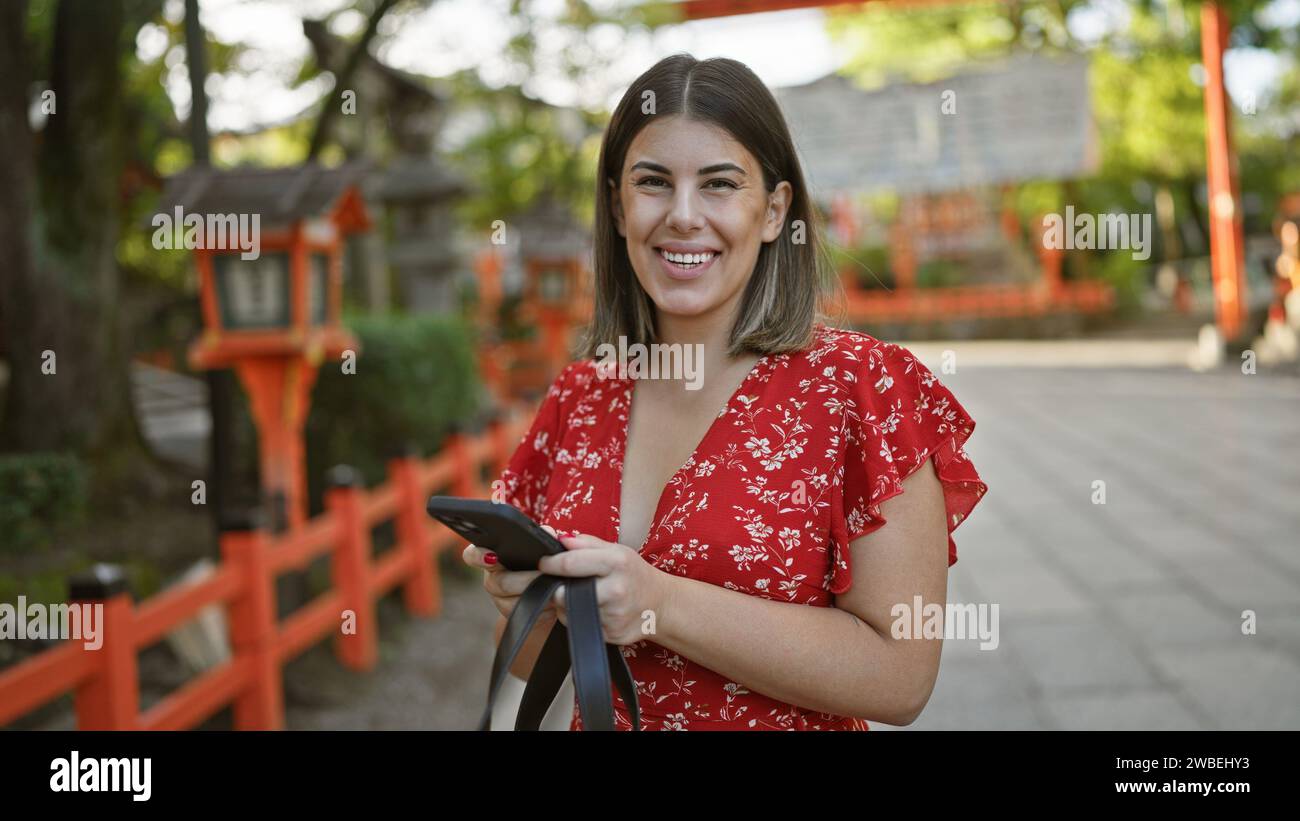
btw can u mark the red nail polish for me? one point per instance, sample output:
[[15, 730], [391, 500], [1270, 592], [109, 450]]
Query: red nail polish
[[490, 558]]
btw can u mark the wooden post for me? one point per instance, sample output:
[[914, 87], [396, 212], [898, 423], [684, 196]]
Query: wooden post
[[357, 645], [279, 396], [463, 482], [902, 253], [253, 628], [488, 266], [1050, 260], [110, 698], [1009, 220], [844, 220], [1226, 244], [555, 337], [500, 444], [421, 593], [491, 371]]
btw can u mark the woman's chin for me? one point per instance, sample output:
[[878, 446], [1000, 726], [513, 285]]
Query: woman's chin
[[685, 305], [694, 297]]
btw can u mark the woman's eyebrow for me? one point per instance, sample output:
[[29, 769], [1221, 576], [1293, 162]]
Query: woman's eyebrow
[[708, 169]]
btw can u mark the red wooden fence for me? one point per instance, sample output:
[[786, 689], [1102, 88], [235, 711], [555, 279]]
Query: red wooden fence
[[978, 301], [105, 681]]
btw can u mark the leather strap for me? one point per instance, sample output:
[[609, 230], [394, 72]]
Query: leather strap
[[520, 623], [593, 660], [548, 674]]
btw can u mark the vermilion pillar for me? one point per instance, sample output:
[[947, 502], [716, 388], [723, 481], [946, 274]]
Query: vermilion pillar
[[1051, 259], [279, 394], [1227, 255]]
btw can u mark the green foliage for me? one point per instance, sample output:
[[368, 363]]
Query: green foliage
[[47, 586], [1150, 113], [415, 377], [509, 323], [39, 493], [50, 584], [938, 273], [1035, 198], [869, 264], [529, 149], [1126, 275], [923, 44]]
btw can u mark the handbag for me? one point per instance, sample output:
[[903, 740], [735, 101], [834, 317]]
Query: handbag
[[581, 644]]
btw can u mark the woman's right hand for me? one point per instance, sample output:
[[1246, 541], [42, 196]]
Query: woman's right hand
[[505, 586]]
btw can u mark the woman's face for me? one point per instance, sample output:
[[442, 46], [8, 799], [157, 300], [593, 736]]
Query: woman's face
[[693, 209]]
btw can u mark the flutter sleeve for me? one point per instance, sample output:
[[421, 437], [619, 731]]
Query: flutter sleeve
[[901, 417], [527, 475]]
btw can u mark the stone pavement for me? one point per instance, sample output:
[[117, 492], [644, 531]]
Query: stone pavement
[[173, 413], [1123, 615], [1128, 614], [432, 673]]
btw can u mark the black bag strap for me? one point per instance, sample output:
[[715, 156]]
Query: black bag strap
[[520, 623], [553, 664], [548, 674], [592, 659]]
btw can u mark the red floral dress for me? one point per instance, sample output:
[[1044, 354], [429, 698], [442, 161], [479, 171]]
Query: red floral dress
[[793, 469]]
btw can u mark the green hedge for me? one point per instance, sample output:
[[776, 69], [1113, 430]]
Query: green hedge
[[39, 492], [938, 273], [870, 265], [416, 377], [1126, 275]]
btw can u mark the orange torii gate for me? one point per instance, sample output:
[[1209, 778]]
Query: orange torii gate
[[1227, 244]]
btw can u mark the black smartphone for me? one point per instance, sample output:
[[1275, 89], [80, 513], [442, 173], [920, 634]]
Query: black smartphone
[[517, 540]]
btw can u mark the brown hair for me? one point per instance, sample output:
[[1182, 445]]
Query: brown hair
[[780, 304]]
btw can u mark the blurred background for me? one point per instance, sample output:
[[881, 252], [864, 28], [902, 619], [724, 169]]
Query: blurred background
[[229, 452]]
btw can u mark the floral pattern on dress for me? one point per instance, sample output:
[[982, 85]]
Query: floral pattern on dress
[[791, 472]]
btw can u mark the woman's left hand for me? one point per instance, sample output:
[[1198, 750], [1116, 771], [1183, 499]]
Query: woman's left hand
[[629, 589]]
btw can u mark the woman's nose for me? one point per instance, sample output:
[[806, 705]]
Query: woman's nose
[[685, 214]]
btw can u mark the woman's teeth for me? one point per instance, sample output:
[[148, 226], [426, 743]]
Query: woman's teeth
[[687, 260]]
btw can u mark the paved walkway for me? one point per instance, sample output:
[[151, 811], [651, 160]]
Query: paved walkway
[[173, 413], [1128, 615], [1123, 615]]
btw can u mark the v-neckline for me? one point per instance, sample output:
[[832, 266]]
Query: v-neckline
[[663, 492]]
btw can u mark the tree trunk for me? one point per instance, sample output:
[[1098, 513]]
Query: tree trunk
[[344, 77], [1199, 219], [16, 191], [221, 381], [62, 289]]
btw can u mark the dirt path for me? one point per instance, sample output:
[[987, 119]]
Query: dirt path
[[432, 673]]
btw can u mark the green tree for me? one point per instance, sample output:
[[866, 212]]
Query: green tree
[[60, 286], [532, 149]]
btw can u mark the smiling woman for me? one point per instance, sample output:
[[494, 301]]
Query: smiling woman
[[801, 462], [697, 160]]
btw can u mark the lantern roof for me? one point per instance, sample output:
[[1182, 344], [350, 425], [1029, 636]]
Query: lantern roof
[[410, 179], [282, 196], [549, 230]]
